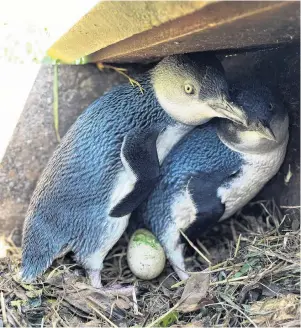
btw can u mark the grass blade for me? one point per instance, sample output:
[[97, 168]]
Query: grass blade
[[56, 101]]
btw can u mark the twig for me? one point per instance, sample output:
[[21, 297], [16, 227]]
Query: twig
[[3, 309], [152, 324], [163, 281], [298, 206], [57, 314], [226, 281], [287, 268], [277, 255], [182, 282], [243, 313], [203, 248], [57, 269], [14, 317], [195, 248], [230, 303], [281, 257], [136, 310], [178, 284], [121, 71], [227, 268], [101, 315], [219, 264], [267, 211], [237, 246]]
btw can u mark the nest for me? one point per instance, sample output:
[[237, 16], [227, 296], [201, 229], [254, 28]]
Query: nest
[[248, 275]]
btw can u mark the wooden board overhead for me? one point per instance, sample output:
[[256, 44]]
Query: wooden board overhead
[[133, 31]]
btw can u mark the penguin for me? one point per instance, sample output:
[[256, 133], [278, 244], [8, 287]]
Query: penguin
[[215, 170], [109, 161]]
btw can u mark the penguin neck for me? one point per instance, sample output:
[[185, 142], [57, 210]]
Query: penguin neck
[[168, 121], [245, 141]]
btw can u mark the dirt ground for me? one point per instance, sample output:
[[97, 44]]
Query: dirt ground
[[252, 280]]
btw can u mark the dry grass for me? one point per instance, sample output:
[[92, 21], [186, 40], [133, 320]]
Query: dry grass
[[254, 280]]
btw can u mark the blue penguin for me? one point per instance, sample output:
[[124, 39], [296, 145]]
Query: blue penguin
[[215, 170], [108, 161]]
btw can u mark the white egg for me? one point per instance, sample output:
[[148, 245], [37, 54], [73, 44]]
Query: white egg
[[145, 255]]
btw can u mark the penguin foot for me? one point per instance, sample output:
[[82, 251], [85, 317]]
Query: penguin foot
[[116, 290], [95, 280], [181, 274]]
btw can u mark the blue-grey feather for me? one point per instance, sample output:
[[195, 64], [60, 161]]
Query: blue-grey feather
[[69, 205], [201, 151]]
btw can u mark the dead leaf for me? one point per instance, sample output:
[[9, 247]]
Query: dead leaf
[[195, 291], [274, 311], [123, 303], [79, 300], [61, 279]]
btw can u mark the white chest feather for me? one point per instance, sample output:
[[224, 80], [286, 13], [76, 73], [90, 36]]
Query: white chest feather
[[169, 138], [256, 171], [183, 210], [183, 214]]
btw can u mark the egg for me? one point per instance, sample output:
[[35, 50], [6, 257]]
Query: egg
[[145, 255]]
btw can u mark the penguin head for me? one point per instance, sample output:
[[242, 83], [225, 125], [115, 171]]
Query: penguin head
[[268, 120], [193, 90]]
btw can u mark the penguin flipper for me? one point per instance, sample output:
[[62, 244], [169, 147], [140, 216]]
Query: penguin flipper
[[140, 159], [209, 208]]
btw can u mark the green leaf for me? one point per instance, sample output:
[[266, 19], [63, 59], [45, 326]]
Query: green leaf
[[34, 293], [245, 268], [18, 303], [169, 319]]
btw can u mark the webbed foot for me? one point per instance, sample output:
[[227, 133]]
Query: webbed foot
[[115, 290]]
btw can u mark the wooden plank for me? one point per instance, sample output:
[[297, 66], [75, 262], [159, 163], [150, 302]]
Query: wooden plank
[[147, 30], [112, 21]]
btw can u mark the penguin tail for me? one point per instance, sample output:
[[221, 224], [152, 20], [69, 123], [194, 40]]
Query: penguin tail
[[39, 249], [32, 267]]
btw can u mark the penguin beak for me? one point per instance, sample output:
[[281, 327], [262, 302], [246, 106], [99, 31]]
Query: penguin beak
[[230, 111], [264, 129]]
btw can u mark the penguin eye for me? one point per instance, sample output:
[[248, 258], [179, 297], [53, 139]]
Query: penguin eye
[[271, 107], [189, 89]]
